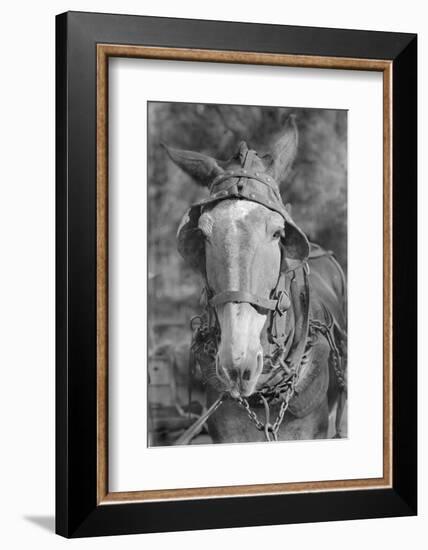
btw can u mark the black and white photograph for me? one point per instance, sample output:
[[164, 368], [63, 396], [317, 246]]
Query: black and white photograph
[[247, 273], [212, 275]]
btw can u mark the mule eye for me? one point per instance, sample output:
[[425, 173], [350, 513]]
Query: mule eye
[[277, 234]]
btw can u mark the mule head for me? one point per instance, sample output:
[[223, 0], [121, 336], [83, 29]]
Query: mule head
[[238, 245], [242, 253]]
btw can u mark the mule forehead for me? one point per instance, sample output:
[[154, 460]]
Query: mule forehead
[[236, 230], [236, 213], [229, 216]]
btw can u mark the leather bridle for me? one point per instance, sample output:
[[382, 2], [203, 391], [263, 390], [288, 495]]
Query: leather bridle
[[286, 293], [279, 302], [242, 296]]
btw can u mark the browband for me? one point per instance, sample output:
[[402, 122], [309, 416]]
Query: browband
[[240, 173]]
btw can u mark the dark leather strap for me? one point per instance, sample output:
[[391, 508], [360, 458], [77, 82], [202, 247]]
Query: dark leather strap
[[243, 296], [240, 173], [300, 298], [277, 328]]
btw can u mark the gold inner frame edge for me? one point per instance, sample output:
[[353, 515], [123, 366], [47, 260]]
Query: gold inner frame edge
[[104, 52]]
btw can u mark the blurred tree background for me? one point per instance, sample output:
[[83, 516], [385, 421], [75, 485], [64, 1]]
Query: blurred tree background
[[316, 188]]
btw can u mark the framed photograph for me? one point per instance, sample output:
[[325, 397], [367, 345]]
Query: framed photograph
[[236, 274]]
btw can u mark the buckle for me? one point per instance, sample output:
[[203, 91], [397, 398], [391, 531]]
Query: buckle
[[283, 302]]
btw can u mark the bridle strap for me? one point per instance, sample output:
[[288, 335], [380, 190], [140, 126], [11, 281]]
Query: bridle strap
[[241, 173], [243, 296], [279, 303], [301, 299]]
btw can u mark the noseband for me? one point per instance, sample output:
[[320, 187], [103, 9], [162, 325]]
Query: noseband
[[279, 303], [243, 296]]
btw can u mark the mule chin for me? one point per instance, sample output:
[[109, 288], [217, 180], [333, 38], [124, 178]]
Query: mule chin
[[249, 390]]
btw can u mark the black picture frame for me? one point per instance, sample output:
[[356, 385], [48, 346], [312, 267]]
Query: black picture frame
[[77, 512]]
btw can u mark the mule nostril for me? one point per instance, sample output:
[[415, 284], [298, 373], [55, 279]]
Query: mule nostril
[[259, 362], [233, 373], [247, 374]]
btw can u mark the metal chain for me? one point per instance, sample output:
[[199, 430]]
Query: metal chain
[[250, 413], [273, 429], [205, 341], [281, 414], [266, 426]]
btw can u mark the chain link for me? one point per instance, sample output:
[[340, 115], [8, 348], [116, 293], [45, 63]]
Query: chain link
[[250, 413], [266, 426]]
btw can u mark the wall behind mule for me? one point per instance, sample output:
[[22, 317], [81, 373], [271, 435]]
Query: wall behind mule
[[27, 271]]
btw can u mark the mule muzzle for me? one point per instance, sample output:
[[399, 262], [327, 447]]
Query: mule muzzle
[[241, 373]]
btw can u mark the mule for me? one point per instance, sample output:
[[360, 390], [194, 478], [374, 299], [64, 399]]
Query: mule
[[272, 339]]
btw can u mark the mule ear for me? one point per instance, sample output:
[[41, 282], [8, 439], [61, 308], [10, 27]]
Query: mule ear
[[202, 168], [284, 151]]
